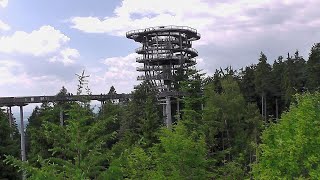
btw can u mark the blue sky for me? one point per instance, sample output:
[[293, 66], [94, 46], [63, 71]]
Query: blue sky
[[43, 44]]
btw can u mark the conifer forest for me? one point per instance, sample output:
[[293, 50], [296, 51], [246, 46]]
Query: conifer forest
[[258, 122]]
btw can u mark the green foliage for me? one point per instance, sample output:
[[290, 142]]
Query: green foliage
[[193, 101], [76, 148], [178, 155], [215, 135], [9, 145], [290, 149], [232, 129], [294, 76], [247, 83], [142, 117], [72, 151], [37, 144], [313, 68], [262, 75]]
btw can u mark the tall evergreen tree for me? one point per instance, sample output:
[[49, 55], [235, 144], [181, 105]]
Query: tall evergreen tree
[[277, 92], [231, 127], [294, 77], [9, 145], [112, 90], [192, 104], [313, 68], [262, 82], [247, 83], [142, 116]]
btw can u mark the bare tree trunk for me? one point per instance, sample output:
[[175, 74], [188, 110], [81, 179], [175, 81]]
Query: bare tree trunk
[[262, 105], [223, 144], [250, 160], [228, 136], [256, 148], [61, 117], [265, 107], [277, 109]]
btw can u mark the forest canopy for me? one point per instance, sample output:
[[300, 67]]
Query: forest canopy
[[259, 122]]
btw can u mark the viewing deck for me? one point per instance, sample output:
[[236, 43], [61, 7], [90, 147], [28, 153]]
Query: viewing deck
[[137, 35]]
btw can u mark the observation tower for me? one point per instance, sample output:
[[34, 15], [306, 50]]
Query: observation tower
[[166, 55]]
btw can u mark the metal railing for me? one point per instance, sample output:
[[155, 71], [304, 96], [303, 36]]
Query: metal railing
[[140, 49], [157, 68], [155, 77], [156, 57], [171, 27]]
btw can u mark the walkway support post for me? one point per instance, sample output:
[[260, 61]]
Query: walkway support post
[[23, 144], [61, 117], [10, 120], [102, 108]]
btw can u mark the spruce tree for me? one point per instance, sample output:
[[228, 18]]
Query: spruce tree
[[231, 128], [294, 77], [277, 92], [247, 83], [262, 82], [9, 145], [313, 68]]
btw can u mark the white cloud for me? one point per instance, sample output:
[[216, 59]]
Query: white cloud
[[66, 56], [22, 73], [3, 3], [121, 68], [40, 42], [154, 13], [118, 71], [4, 26], [14, 80], [218, 22], [11, 72]]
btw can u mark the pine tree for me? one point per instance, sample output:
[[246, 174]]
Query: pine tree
[[313, 68], [232, 128], [247, 83], [9, 145], [294, 77], [262, 82], [112, 90], [277, 92], [192, 102], [141, 117]]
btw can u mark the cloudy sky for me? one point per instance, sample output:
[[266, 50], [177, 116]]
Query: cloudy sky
[[43, 44]]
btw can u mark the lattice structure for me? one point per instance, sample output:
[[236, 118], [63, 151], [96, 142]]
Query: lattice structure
[[166, 53]]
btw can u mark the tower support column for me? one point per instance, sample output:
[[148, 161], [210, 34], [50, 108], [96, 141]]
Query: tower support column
[[164, 114], [178, 108], [168, 112]]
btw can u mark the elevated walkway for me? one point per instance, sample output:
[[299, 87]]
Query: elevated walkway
[[21, 101]]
